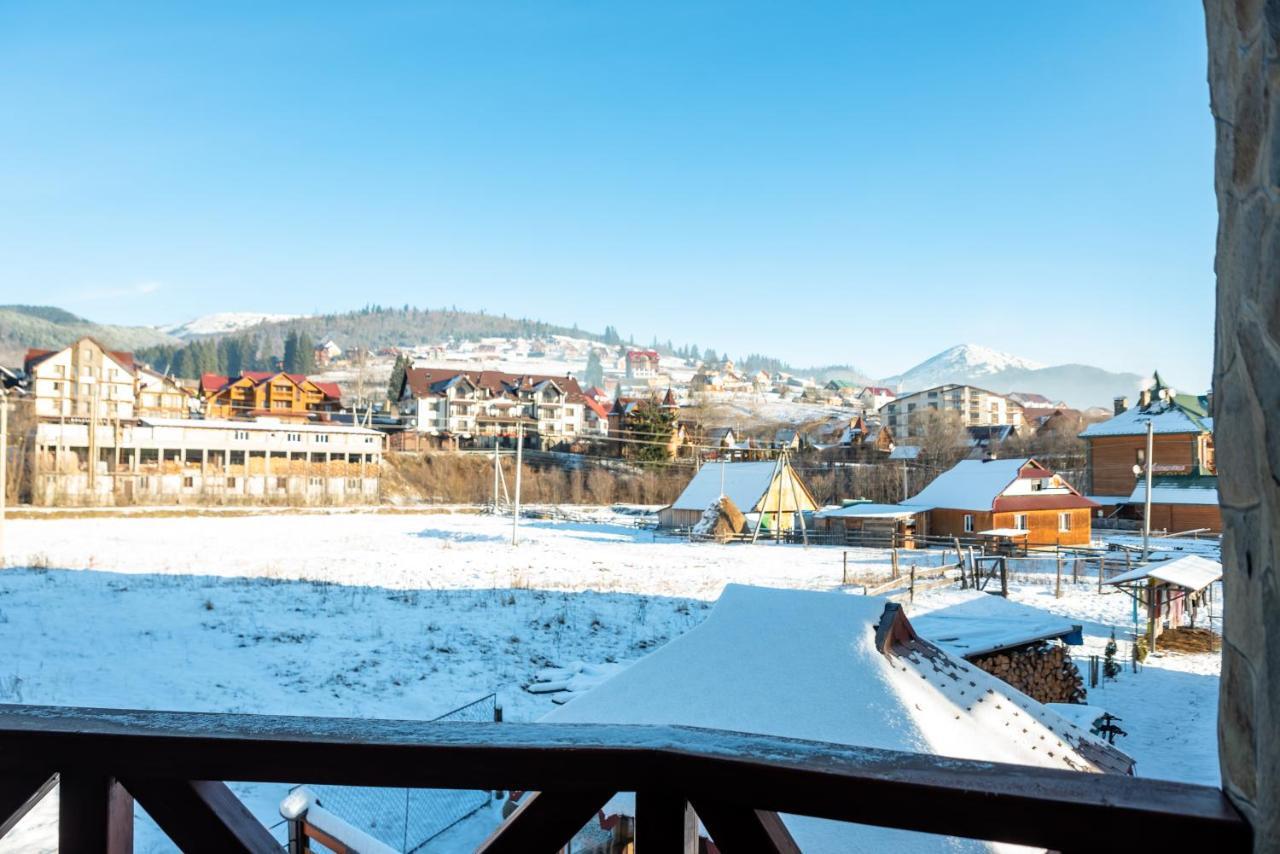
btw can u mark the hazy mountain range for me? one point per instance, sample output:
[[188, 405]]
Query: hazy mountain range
[[1080, 386], [45, 326]]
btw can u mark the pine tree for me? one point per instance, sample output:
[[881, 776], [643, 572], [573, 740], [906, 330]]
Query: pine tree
[[650, 427], [594, 373], [178, 366], [306, 354], [291, 352], [1110, 667], [398, 372]]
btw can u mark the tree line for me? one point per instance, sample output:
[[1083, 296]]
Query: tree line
[[231, 356]]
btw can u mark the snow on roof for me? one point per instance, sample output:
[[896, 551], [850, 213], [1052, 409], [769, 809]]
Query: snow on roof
[[804, 664], [1004, 532], [970, 484], [871, 511], [970, 622], [744, 483], [1169, 491], [1192, 572], [904, 452], [1168, 416]]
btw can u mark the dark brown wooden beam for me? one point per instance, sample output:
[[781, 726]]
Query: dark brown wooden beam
[[201, 815], [20, 793], [95, 815], [983, 800], [742, 830], [545, 822], [665, 823]]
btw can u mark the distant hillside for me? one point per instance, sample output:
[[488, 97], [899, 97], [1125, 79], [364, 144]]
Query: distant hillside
[[380, 326], [24, 326]]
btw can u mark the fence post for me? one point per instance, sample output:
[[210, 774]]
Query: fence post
[[1004, 577], [894, 560], [1102, 570], [844, 572], [913, 583], [1057, 587], [1075, 571]]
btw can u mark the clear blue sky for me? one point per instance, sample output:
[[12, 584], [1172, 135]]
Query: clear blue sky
[[841, 182]]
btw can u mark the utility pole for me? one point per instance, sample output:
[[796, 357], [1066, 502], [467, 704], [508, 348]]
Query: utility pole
[[497, 470], [515, 507], [905, 491], [1146, 512]]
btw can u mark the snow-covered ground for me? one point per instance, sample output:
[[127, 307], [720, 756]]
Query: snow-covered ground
[[409, 615]]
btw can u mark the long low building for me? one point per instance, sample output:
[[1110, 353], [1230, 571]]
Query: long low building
[[178, 460]]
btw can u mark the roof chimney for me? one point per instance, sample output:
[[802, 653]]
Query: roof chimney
[[1144, 398], [1121, 404]]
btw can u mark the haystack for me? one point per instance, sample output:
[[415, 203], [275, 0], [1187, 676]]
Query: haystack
[[721, 521]]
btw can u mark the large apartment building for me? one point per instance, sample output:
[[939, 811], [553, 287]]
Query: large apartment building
[[86, 380], [182, 460], [977, 407], [110, 430], [481, 408]]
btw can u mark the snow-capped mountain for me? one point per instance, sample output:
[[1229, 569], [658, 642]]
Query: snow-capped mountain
[[963, 363], [223, 322], [1078, 385]]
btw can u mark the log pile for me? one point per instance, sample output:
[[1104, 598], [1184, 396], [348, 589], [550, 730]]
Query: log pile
[[1042, 671]]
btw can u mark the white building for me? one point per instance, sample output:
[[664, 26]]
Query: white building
[[176, 460], [975, 406]]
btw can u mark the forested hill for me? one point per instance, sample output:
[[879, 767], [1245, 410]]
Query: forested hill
[[46, 327]]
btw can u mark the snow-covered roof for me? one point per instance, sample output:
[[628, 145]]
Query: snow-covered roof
[[1004, 532], [1169, 416], [744, 483], [1192, 572], [1171, 490], [970, 484], [805, 664], [871, 511], [970, 622], [904, 452]]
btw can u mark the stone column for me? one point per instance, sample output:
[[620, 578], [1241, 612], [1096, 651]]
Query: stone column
[[1244, 84]]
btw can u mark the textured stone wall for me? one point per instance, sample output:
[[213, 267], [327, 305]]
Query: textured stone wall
[[1244, 83]]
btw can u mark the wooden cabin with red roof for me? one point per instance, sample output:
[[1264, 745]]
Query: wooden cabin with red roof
[[253, 394], [1017, 499]]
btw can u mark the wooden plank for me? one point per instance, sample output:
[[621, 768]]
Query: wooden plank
[[737, 829], [983, 800], [201, 814], [18, 794], [545, 821], [95, 815], [665, 823]]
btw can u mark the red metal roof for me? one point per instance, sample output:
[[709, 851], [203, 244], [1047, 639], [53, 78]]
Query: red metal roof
[[1017, 503]]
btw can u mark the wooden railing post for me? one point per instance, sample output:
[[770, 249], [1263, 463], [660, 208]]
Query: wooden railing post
[[665, 823], [95, 815]]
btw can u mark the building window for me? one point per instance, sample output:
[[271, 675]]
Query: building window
[[324, 437], [1064, 522], [231, 482], [968, 523], [1141, 456], [314, 481], [282, 483], [188, 482], [353, 483], [1020, 522], [242, 434], [293, 437]]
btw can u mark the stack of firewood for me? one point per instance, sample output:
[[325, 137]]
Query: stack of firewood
[[1042, 671]]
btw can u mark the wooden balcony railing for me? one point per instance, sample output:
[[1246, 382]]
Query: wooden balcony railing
[[734, 783]]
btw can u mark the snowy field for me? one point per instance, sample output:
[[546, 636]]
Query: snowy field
[[408, 616]]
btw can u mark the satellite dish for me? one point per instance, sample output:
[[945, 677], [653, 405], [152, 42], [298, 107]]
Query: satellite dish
[[1137, 470]]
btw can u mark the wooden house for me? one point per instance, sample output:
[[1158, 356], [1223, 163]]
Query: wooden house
[[274, 394], [770, 488], [1182, 449], [978, 496]]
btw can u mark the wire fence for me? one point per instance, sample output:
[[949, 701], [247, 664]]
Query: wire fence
[[407, 819]]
